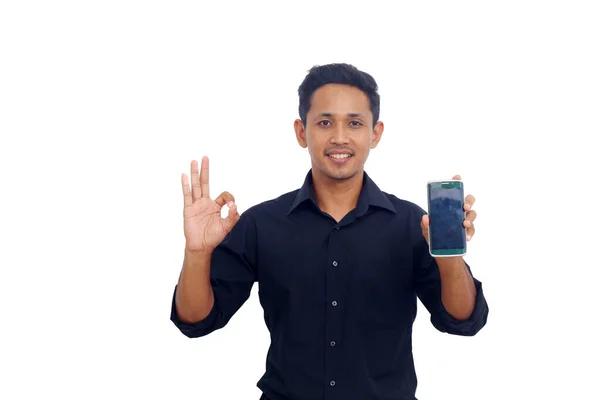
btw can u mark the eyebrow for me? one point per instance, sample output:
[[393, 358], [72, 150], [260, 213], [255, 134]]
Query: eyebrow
[[329, 115]]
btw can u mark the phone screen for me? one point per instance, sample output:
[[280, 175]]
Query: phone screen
[[447, 235]]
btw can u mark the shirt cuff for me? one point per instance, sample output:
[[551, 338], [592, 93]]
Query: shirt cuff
[[196, 329], [470, 326]]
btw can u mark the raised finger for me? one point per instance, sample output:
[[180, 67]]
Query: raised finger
[[196, 193], [187, 193], [224, 198], [204, 177]]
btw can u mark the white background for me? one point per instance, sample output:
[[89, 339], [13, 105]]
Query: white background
[[104, 104]]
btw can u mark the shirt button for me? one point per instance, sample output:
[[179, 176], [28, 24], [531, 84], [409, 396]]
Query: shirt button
[[332, 383], [335, 264], [334, 303], [337, 227], [332, 343]]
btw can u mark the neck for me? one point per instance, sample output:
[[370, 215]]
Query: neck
[[337, 197]]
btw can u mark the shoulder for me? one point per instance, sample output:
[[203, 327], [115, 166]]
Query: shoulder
[[403, 204], [408, 218], [275, 206], [260, 215], [405, 207]]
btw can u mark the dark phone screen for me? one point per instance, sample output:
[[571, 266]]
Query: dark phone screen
[[446, 216]]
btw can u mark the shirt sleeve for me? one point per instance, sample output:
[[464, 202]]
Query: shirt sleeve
[[232, 275], [428, 286]]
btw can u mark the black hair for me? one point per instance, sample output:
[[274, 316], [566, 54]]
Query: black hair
[[339, 73]]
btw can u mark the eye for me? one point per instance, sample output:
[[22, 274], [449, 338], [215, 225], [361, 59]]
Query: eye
[[324, 123], [355, 124]]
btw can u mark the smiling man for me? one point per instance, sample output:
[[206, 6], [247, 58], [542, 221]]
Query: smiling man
[[339, 262]]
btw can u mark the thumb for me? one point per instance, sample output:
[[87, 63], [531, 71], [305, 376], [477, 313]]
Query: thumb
[[425, 227], [232, 217], [425, 222]]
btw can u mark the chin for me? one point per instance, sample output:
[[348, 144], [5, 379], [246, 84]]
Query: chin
[[340, 174]]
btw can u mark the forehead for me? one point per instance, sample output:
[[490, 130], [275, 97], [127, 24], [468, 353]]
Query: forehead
[[339, 99]]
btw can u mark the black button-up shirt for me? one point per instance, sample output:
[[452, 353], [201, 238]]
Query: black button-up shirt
[[339, 298]]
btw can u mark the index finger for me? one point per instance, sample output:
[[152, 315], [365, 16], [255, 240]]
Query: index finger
[[204, 178]]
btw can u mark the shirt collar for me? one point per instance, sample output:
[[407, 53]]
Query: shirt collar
[[370, 195]]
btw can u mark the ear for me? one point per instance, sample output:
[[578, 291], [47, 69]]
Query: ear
[[377, 132], [300, 133]]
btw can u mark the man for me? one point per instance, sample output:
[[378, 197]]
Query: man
[[339, 262]]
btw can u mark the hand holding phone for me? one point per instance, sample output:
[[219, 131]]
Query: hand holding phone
[[447, 234]]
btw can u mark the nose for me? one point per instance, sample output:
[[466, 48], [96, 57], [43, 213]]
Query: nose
[[339, 135]]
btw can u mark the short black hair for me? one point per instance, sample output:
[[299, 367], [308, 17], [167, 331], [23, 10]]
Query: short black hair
[[339, 73]]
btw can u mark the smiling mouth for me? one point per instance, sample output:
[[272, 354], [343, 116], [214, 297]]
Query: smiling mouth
[[339, 156]]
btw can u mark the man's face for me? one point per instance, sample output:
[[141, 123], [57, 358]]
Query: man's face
[[339, 131]]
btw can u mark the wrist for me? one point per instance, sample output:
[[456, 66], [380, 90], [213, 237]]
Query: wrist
[[197, 254], [450, 265]]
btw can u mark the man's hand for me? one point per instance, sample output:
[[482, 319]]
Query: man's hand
[[203, 226], [467, 223]]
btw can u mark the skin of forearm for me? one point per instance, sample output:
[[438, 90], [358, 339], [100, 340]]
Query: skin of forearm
[[194, 297], [458, 288]]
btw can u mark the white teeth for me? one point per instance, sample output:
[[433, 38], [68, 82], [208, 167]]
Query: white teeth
[[339, 156]]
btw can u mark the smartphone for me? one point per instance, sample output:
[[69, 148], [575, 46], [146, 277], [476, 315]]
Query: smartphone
[[447, 234]]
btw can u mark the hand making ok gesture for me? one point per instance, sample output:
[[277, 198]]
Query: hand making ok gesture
[[203, 226]]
